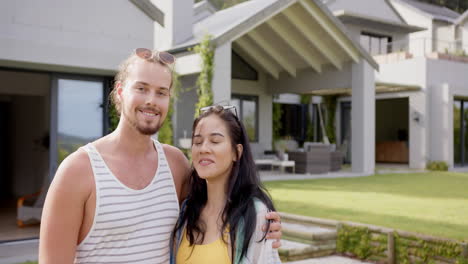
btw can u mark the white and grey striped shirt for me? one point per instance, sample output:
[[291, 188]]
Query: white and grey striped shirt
[[130, 226]]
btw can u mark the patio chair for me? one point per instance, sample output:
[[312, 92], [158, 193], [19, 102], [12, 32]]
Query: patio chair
[[29, 207]]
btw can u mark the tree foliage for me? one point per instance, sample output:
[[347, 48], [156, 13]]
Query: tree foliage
[[456, 5], [204, 92]]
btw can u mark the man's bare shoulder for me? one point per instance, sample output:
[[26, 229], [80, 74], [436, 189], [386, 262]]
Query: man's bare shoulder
[[173, 153], [177, 158], [180, 169], [75, 173]]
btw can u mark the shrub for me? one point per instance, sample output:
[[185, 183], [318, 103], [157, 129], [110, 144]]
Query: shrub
[[437, 166]]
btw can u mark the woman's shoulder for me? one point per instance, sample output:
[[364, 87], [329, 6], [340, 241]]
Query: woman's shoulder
[[260, 206]]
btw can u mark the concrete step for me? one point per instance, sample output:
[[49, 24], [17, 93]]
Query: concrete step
[[310, 234], [291, 250], [306, 237]]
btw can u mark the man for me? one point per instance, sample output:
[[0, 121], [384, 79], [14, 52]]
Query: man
[[117, 200]]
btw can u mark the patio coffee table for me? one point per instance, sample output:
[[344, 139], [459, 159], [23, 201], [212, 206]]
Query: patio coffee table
[[282, 164]]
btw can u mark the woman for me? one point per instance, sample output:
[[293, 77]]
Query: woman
[[221, 219]]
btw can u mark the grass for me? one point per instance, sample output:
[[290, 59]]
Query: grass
[[434, 203]]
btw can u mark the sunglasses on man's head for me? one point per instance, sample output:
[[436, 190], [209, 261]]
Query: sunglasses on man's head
[[161, 56], [219, 108]]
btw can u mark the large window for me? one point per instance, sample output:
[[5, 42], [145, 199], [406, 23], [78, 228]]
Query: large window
[[294, 121], [376, 44], [460, 132], [80, 114], [240, 69], [247, 109]]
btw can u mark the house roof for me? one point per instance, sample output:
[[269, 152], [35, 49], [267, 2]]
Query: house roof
[[381, 9], [462, 18], [267, 30], [389, 26], [203, 9], [434, 11], [150, 10], [223, 21]]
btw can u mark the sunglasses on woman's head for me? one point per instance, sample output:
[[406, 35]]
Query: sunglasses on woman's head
[[219, 108], [161, 56]]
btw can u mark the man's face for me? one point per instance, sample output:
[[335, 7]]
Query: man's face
[[145, 96]]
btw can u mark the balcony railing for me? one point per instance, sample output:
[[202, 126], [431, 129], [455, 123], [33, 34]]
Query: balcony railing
[[419, 47]]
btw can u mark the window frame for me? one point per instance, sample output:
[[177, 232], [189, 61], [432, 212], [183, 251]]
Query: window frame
[[240, 111], [377, 36], [248, 65]]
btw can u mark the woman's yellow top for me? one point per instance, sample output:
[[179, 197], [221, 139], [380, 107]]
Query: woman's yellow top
[[214, 252]]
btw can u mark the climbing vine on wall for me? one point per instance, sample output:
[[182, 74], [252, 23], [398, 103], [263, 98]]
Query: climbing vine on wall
[[204, 81], [166, 132]]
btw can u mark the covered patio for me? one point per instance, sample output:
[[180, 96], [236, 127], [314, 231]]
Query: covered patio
[[296, 46]]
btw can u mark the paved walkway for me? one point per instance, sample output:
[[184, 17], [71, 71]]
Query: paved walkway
[[328, 260], [278, 176], [20, 251]]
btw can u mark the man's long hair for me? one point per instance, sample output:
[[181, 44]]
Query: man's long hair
[[243, 185]]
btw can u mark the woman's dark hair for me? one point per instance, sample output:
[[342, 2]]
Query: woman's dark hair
[[243, 185]]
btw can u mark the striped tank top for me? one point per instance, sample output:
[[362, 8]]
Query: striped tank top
[[130, 226]]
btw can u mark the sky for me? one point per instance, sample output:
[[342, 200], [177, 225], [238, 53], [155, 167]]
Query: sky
[[79, 108]]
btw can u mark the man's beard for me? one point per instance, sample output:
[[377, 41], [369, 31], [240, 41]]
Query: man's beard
[[146, 130]]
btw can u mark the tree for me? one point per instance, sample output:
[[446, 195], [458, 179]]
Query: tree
[[456, 5]]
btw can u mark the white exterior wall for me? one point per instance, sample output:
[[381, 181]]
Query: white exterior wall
[[288, 98], [444, 37], [398, 39], [411, 72], [420, 42], [441, 124], [308, 80], [363, 116], [265, 108], [178, 23], [444, 85], [95, 35], [187, 64], [464, 35], [221, 84], [354, 32]]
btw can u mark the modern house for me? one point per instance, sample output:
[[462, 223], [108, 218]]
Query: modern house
[[57, 61], [420, 87], [421, 84], [269, 47]]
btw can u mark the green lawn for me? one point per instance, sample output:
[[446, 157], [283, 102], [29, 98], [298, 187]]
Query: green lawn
[[433, 203]]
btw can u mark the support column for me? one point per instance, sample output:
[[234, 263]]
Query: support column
[[363, 118], [441, 133], [418, 125], [221, 85]]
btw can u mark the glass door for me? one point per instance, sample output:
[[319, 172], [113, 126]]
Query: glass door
[[460, 132], [346, 131], [77, 115]]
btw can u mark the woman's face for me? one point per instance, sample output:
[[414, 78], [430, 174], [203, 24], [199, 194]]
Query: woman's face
[[212, 152]]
